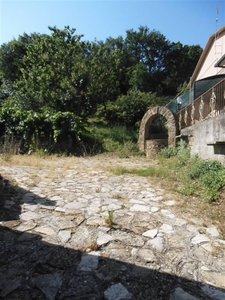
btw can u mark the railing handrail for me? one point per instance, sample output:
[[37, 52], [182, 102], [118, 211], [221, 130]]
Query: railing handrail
[[202, 95], [209, 104]]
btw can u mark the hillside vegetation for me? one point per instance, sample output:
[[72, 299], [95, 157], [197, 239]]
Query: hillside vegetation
[[60, 93]]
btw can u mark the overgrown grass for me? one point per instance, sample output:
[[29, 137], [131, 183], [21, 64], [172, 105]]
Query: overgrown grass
[[117, 140], [185, 174]]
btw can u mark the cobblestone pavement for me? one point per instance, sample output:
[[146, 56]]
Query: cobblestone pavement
[[78, 231]]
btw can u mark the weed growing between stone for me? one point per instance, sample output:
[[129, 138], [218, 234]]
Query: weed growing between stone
[[109, 219]]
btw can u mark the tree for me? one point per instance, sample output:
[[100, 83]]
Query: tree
[[12, 54], [147, 51], [54, 74], [180, 62]]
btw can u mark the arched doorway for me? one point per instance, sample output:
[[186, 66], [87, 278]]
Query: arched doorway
[[158, 129]]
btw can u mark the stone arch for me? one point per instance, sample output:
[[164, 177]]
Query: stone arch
[[146, 122]]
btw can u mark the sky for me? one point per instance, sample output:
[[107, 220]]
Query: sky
[[190, 22]]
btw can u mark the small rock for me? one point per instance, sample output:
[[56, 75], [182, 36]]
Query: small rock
[[60, 209], [213, 231], [154, 209], [151, 233]]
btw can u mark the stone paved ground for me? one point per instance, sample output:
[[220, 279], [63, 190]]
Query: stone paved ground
[[77, 231]]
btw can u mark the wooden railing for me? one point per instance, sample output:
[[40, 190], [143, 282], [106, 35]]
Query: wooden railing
[[209, 104]]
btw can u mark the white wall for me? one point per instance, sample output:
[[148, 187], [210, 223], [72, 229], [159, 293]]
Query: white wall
[[215, 53]]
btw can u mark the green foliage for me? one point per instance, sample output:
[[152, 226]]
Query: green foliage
[[116, 140], [132, 107], [159, 172], [205, 177], [109, 219], [127, 109], [182, 152], [168, 152], [46, 130], [198, 167]]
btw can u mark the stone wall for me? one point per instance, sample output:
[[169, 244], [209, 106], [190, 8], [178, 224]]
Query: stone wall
[[152, 147], [207, 138], [171, 124]]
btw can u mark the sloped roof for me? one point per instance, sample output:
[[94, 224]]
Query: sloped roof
[[205, 52]]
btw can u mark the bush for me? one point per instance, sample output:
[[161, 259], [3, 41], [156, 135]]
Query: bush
[[168, 152], [199, 167]]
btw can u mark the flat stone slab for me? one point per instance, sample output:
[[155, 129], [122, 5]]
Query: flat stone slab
[[138, 207], [89, 262], [167, 213], [147, 255], [64, 235], [45, 230], [150, 233], [213, 293], [200, 239], [49, 284], [214, 278], [26, 226], [29, 215], [117, 292], [180, 294], [213, 231], [157, 243], [104, 238], [166, 228]]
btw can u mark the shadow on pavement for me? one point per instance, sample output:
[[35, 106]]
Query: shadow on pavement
[[31, 268]]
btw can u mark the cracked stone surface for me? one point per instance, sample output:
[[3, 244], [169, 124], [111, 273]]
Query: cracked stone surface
[[78, 231]]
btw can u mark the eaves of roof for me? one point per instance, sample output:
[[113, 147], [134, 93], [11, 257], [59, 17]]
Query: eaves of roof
[[205, 53]]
